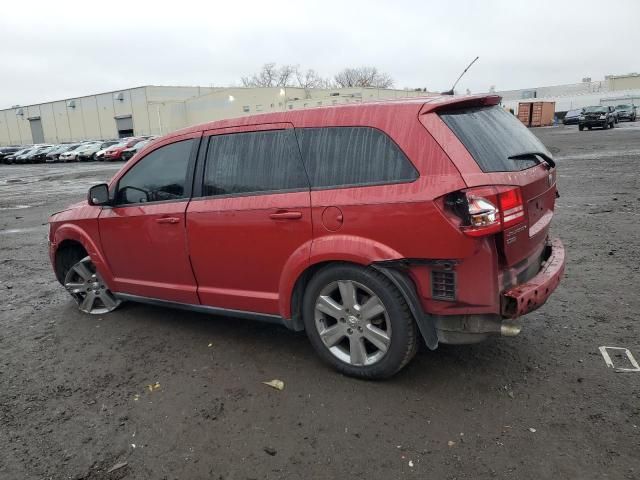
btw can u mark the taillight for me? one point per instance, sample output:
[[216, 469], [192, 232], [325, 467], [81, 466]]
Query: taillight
[[487, 210], [511, 207]]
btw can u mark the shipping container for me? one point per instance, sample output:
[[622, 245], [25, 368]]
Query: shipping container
[[536, 114]]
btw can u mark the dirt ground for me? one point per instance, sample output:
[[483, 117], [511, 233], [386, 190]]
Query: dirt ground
[[75, 401]]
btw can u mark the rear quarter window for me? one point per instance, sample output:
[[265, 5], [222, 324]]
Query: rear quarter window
[[492, 136], [352, 156]]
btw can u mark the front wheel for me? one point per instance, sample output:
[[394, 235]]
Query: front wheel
[[358, 322], [88, 289], [581, 127]]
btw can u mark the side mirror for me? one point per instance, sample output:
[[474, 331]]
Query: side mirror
[[99, 194]]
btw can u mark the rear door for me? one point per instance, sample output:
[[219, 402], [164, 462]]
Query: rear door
[[252, 216], [491, 147]]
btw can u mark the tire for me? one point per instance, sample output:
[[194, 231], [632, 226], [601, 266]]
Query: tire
[[581, 127], [389, 322], [589, 128], [88, 289]]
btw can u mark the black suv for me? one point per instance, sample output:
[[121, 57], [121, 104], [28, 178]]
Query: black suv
[[597, 116], [626, 112]]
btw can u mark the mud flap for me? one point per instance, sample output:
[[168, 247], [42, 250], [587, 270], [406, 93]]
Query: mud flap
[[423, 320]]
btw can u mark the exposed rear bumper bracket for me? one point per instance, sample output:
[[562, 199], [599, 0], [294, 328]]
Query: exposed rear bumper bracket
[[531, 295]]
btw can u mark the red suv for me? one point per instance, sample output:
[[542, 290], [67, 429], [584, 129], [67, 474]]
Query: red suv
[[115, 152], [369, 226]]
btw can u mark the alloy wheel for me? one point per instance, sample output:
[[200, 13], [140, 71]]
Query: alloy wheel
[[352, 323], [88, 289]]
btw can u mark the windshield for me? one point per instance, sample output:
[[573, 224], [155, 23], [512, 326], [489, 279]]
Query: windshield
[[623, 107], [597, 109], [492, 136], [573, 113]]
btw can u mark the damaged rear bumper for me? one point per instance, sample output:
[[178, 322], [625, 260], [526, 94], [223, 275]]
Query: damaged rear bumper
[[532, 294]]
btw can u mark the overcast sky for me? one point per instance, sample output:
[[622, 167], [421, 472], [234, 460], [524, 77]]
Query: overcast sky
[[51, 50]]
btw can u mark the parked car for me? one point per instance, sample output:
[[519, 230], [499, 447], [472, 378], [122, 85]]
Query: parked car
[[23, 158], [7, 151], [370, 226], [85, 152], [41, 154], [71, 155], [89, 153], [13, 157], [54, 155], [114, 152], [127, 153], [626, 112], [572, 117], [597, 116]]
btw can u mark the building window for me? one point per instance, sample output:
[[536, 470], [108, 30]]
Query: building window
[[258, 108], [319, 103], [290, 106], [246, 108]]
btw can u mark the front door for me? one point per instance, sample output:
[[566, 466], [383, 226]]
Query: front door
[[143, 235], [253, 216]]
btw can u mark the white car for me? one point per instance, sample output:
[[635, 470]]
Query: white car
[[91, 151], [72, 155]]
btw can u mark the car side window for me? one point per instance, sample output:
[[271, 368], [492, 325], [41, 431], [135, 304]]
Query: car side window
[[352, 156], [159, 176], [253, 162]]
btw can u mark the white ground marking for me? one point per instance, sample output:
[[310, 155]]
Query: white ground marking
[[609, 362]]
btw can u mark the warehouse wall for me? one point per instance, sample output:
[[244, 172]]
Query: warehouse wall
[[157, 110], [624, 82], [238, 102]]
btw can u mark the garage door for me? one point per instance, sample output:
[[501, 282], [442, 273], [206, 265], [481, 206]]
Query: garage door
[[36, 130], [124, 125]]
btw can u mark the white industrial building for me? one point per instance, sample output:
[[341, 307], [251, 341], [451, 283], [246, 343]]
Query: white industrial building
[[157, 110], [613, 90]]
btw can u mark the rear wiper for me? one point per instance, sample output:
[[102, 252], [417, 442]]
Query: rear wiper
[[524, 155]]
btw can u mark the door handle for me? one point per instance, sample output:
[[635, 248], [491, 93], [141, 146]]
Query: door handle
[[286, 216], [168, 220]]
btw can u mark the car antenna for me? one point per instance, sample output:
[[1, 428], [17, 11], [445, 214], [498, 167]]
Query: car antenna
[[450, 92]]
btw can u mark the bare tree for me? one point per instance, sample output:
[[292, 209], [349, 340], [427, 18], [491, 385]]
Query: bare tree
[[363, 77], [270, 75], [310, 79]]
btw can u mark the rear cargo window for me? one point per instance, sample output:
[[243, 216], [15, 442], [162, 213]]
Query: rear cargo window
[[352, 156], [492, 136]]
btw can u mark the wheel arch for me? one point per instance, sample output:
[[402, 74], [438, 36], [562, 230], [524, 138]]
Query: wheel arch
[[65, 249], [71, 234], [398, 278], [322, 251]]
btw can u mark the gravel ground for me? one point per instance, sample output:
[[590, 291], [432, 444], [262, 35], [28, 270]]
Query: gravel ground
[[75, 401]]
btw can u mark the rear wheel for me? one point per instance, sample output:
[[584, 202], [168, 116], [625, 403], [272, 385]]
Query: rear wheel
[[581, 127], [358, 322]]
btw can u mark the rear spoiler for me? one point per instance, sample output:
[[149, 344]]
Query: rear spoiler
[[440, 104]]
